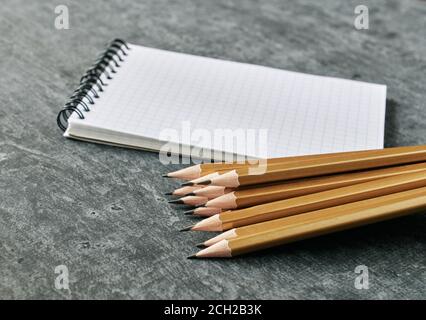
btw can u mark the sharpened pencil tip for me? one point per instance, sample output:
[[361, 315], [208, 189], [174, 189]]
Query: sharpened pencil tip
[[205, 182], [165, 175], [176, 201], [187, 184], [194, 256], [191, 194], [186, 229], [200, 245], [189, 212], [168, 193]]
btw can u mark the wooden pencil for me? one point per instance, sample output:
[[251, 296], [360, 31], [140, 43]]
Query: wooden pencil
[[322, 166], [200, 170], [225, 198], [321, 222], [279, 209]]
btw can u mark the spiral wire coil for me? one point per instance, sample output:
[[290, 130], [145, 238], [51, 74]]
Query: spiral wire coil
[[91, 83]]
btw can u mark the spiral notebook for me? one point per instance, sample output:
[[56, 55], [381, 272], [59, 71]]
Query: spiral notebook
[[133, 96]]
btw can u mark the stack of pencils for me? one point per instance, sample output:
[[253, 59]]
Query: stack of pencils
[[299, 197]]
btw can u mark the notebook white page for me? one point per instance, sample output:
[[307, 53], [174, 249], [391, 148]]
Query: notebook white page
[[304, 114]]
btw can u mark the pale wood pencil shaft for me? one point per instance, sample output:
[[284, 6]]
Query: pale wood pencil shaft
[[183, 191], [204, 211], [190, 200], [212, 192]]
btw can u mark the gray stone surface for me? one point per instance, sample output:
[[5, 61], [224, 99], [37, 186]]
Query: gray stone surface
[[101, 211]]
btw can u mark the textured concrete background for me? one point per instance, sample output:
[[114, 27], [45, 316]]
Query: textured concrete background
[[100, 210]]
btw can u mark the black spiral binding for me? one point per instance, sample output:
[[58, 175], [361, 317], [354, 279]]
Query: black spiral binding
[[106, 64]]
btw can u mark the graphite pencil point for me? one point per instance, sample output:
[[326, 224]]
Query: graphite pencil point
[[189, 212], [200, 245], [176, 201], [165, 175], [194, 256], [191, 194], [168, 193], [205, 182], [186, 184], [186, 229]]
